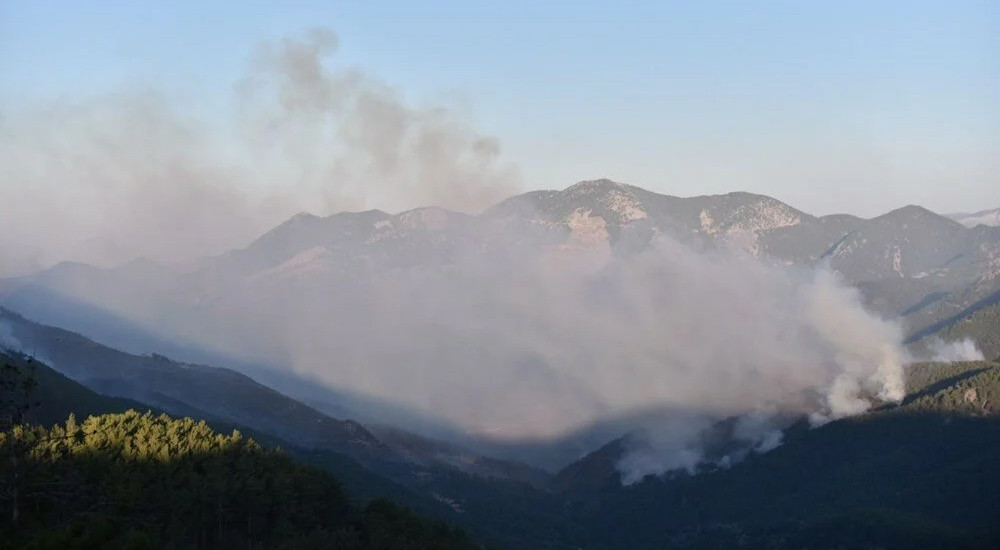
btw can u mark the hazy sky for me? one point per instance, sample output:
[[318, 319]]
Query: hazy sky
[[829, 106]]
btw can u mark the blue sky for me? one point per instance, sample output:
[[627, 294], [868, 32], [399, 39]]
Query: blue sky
[[830, 106]]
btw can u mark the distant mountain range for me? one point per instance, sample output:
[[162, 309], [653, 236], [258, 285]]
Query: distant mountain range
[[927, 269], [147, 333], [327, 290], [983, 217]]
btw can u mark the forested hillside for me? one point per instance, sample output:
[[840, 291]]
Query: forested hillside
[[919, 475], [141, 480], [982, 327]]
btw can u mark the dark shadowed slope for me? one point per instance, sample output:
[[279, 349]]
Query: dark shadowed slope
[[183, 389], [924, 474]]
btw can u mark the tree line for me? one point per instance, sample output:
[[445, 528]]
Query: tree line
[[140, 480]]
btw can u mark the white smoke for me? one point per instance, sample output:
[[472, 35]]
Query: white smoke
[[10, 343], [511, 337], [109, 179], [956, 350], [7, 340], [511, 340]]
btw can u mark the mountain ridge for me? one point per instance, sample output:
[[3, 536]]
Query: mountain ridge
[[908, 264]]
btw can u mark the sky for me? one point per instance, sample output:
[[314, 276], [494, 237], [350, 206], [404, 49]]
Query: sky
[[842, 106]]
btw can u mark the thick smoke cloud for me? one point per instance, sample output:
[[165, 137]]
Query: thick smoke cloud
[[356, 142], [510, 337], [109, 179], [511, 340]]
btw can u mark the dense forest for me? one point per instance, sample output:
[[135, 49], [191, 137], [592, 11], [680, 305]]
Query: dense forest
[[142, 480]]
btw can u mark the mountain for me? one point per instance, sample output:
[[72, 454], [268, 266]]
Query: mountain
[[922, 256], [337, 298], [980, 327], [983, 217], [920, 475]]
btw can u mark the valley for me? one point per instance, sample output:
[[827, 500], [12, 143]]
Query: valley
[[190, 342]]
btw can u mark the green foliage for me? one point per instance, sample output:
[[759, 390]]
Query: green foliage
[[970, 388], [135, 480]]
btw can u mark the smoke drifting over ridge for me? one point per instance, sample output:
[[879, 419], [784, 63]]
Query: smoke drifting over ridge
[[105, 180], [511, 338], [959, 350]]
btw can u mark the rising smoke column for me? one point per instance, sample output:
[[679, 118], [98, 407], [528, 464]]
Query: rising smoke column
[[508, 341], [108, 179], [511, 340]]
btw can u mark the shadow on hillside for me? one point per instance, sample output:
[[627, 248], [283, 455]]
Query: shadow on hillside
[[928, 300], [934, 473], [941, 385], [934, 327]]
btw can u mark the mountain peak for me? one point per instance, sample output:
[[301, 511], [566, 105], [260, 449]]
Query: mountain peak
[[594, 186], [908, 211], [302, 216], [915, 213]]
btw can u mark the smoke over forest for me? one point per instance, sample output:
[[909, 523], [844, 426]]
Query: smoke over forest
[[506, 341]]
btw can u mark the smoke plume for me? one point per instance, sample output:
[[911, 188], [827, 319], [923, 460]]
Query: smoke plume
[[509, 338], [950, 352], [7, 339], [109, 179], [491, 324]]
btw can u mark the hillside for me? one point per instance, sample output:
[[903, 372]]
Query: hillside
[[132, 480], [490, 507], [55, 396], [185, 389], [983, 217], [982, 327], [921, 475], [136, 480], [227, 398]]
